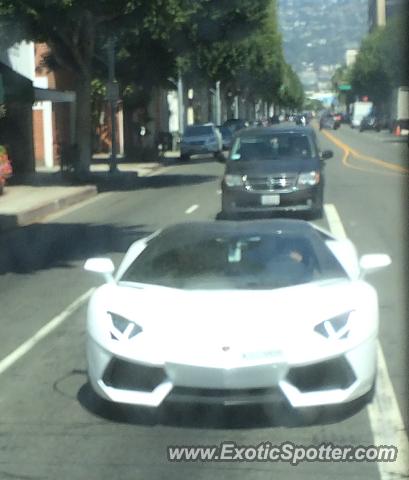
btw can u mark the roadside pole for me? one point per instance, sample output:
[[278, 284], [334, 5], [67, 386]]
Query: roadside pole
[[236, 106], [180, 105], [218, 105], [112, 96]]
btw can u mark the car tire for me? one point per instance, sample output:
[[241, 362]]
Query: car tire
[[318, 212], [184, 157], [224, 215], [307, 415], [369, 396]]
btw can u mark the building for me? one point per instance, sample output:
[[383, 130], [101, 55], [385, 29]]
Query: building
[[350, 56], [53, 110], [379, 11], [16, 129]]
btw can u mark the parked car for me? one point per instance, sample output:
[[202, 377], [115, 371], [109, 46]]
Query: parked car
[[201, 139], [370, 122], [330, 120], [227, 136], [345, 117], [359, 111], [235, 124], [235, 313], [274, 169]]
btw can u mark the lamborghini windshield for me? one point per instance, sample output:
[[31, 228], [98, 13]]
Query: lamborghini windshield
[[222, 261]]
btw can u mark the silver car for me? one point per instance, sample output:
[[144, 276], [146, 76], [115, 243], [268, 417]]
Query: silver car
[[201, 139]]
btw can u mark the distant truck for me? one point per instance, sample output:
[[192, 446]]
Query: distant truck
[[399, 112], [359, 111]]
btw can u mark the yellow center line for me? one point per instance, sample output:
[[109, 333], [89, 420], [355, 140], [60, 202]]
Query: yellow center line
[[350, 151]]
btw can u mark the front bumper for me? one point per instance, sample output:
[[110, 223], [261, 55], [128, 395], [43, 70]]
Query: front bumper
[[236, 201], [337, 380]]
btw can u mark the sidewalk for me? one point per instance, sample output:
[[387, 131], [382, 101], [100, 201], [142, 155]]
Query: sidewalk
[[28, 199]]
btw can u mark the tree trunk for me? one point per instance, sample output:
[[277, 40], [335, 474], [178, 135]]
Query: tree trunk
[[83, 122]]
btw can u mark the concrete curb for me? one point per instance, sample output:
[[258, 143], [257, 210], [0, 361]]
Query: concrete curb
[[37, 212]]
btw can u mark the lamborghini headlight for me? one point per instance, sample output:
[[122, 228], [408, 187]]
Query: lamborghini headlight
[[337, 327], [122, 328]]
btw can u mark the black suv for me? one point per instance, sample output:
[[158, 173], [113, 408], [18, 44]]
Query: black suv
[[274, 169]]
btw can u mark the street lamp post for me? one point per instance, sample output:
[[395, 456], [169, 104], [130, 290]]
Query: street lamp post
[[218, 105], [112, 96], [181, 107]]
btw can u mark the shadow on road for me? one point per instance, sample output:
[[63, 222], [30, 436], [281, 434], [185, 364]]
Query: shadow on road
[[215, 417], [126, 181], [120, 181], [50, 245]]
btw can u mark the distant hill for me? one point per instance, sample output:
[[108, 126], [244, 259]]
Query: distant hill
[[317, 33]]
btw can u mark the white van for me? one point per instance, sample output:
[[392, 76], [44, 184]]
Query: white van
[[359, 111]]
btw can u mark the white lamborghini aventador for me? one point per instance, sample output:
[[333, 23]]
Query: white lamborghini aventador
[[233, 313]]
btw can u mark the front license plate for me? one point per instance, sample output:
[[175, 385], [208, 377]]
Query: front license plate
[[270, 199]]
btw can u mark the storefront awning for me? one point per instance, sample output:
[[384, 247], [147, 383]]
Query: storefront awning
[[55, 96]]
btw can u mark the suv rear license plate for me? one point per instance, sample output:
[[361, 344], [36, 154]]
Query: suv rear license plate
[[270, 199]]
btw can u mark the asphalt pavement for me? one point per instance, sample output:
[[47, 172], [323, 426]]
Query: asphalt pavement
[[52, 428]]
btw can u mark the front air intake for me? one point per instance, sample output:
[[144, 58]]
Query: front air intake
[[132, 376]]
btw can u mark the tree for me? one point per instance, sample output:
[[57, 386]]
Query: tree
[[76, 29], [237, 42], [292, 91], [343, 76], [381, 63]]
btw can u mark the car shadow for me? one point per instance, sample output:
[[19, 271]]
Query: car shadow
[[43, 246], [119, 181], [191, 416]]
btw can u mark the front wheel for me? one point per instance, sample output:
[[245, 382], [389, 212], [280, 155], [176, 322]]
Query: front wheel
[[308, 415]]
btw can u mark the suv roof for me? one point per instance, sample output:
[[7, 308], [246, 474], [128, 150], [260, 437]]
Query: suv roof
[[261, 131]]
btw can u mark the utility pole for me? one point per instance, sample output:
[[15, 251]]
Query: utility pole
[[181, 105], [112, 96], [236, 106], [218, 105]]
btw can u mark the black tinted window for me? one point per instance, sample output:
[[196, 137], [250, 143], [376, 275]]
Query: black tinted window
[[271, 147], [225, 262]]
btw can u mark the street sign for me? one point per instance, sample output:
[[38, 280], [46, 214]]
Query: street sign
[[344, 87]]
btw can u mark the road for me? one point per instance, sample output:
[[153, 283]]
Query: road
[[51, 428]]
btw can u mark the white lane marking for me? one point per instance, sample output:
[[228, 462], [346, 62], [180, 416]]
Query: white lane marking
[[387, 423], [43, 332], [384, 414], [334, 221], [191, 209]]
